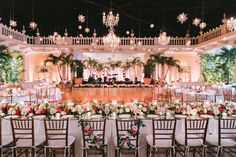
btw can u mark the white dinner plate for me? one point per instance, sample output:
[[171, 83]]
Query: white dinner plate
[[124, 116], [152, 116], [96, 116], [12, 116], [206, 116], [68, 116], [234, 115], [180, 116]]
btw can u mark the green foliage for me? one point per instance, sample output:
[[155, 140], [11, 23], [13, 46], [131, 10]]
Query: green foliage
[[148, 67], [219, 67], [11, 65]]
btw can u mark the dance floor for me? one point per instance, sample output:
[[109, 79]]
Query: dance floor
[[108, 94]]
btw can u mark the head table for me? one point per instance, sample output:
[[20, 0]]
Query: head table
[[110, 132]]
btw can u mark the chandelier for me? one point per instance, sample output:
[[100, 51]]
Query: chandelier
[[231, 24], [56, 38], [111, 41], [110, 20], [163, 39]]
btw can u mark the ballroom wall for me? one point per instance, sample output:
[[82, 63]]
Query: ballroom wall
[[34, 60]]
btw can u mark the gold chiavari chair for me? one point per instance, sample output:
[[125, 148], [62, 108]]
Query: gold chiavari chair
[[225, 140], [122, 127], [162, 139], [194, 138], [24, 138], [58, 141], [98, 127]]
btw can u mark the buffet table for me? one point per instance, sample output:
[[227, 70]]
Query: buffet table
[[108, 94], [74, 130]]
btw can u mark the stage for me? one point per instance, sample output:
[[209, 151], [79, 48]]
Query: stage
[[108, 94]]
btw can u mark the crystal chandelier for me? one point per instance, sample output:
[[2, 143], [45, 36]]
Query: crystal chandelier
[[110, 20], [231, 24], [111, 41], [163, 39], [56, 38]]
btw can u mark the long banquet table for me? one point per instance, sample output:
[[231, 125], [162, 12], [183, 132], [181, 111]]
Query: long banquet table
[[108, 94], [110, 132]]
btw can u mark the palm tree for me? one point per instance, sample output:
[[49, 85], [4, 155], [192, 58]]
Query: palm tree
[[157, 58], [171, 62], [67, 60], [90, 63], [136, 62], [56, 61], [78, 67]]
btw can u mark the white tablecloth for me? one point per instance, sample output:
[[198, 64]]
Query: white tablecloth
[[110, 133]]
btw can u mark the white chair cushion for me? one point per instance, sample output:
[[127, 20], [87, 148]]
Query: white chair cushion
[[213, 140], [159, 143], [191, 142], [60, 143], [6, 139], [39, 140]]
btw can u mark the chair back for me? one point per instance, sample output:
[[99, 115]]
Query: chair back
[[195, 129], [97, 126], [56, 130], [23, 129], [179, 96], [201, 97], [123, 126], [163, 130], [227, 130], [6, 98]]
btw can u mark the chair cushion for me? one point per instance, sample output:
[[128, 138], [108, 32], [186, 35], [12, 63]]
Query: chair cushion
[[6, 139], [213, 140], [165, 143], [39, 140], [60, 143], [180, 139]]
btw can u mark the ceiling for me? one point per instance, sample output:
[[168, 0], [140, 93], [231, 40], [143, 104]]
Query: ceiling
[[56, 15]]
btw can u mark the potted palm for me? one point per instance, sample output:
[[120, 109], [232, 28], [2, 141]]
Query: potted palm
[[148, 69], [79, 66]]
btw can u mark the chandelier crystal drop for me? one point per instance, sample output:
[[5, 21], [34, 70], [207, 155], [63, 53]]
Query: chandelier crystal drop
[[110, 20], [163, 39], [182, 17], [111, 41], [13, 23], [33, 25], [231, 24]]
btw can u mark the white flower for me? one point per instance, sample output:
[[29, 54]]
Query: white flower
[[63, 113], [127, 110]]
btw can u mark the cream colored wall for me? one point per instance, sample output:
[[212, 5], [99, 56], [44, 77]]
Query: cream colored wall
[[187, 59], [34, 59]]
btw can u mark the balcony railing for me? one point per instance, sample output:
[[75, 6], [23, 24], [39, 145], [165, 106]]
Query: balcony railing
[[125, 41]]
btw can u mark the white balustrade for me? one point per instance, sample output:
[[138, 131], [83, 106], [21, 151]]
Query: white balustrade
[[125, 41]]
